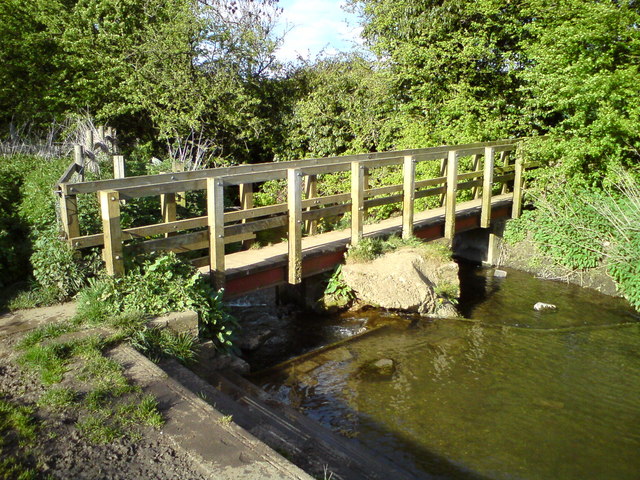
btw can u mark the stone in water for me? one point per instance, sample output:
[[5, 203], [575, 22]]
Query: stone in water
[[540, 306]]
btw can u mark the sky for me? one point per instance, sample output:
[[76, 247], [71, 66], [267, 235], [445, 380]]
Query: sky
[[315, 26]]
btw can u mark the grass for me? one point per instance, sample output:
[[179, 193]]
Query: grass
[[108, 405], [58, 398], [50, 362], [157, 343], [369, 249], [18, 432]]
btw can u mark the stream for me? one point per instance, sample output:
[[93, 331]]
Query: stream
[[504, 393]]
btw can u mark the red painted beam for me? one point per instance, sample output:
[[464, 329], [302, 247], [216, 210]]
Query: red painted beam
[[274, 276]]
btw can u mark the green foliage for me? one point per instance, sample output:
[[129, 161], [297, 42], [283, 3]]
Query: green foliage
[[58, 398], [581, 85], [370, 248], [58, 268], [155, 67], [26, 205], [337, 288], [158, 343], [342, 106], [581, 227], [161, 285], [49, 361]]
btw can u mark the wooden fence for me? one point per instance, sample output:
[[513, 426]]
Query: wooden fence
[[492, 164]]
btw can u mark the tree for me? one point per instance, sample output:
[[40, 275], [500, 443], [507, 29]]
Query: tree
[[581, 85], [454, 64], [342, 106], [158, 68]]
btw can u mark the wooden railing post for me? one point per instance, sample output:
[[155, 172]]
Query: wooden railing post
[[168, 209], [504, 160], [112, 231], [476, 166], [181, 197], [452, 190], [215, 215], [357, 202], [88, 140], [294, 202], [443, 171], [69, 216], [487, 187], [518, 188], [101, 136], [246, 203], [78, 158], [118, 166], [409, 195], [311, 191]]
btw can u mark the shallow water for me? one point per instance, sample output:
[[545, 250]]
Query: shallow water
[[509, 393]]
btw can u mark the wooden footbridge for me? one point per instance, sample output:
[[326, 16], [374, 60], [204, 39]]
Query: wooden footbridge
[[490, 173]]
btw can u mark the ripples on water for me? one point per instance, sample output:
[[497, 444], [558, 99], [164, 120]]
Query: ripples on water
[[508, 393]]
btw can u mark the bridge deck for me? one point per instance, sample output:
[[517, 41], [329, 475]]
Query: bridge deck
[[252, 269]]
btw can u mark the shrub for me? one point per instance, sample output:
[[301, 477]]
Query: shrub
[[579, 228], [58, 269], [162, 284]]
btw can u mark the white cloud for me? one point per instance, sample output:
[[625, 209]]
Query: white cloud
[[317, 25]]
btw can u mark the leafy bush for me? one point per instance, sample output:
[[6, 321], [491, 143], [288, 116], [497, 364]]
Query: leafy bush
[[27, 205], [161, 285], [60, 270], [337, 288], [581, 227]]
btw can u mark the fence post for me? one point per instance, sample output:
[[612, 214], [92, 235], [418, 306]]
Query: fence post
[[118, 166], [88, 140], [452, 190], [367, 186], [357, 201], [409, 194], [311, 191], [69, 216], [487, 187], [476, 166], [181, 197], [246, 203], [504, 160], [517, 188], [112, 253], [78, 158], [294, 202], [215, 214], [443, 171], [101, 136], [168, 209]]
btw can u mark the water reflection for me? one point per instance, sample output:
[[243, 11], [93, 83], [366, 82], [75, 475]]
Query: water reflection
[[507, 393]]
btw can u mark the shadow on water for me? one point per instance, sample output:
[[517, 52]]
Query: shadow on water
[[505, 393]]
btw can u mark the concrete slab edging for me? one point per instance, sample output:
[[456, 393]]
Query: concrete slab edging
[[223, 449]]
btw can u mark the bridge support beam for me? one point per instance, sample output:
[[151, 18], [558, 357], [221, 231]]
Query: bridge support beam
[[246, 203], [311, 191]]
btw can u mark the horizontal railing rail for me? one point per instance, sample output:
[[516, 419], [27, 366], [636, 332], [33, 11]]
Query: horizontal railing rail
[[303, 206]]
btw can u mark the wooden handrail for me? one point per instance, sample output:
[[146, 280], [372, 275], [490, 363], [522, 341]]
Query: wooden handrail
[[225, 227]]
